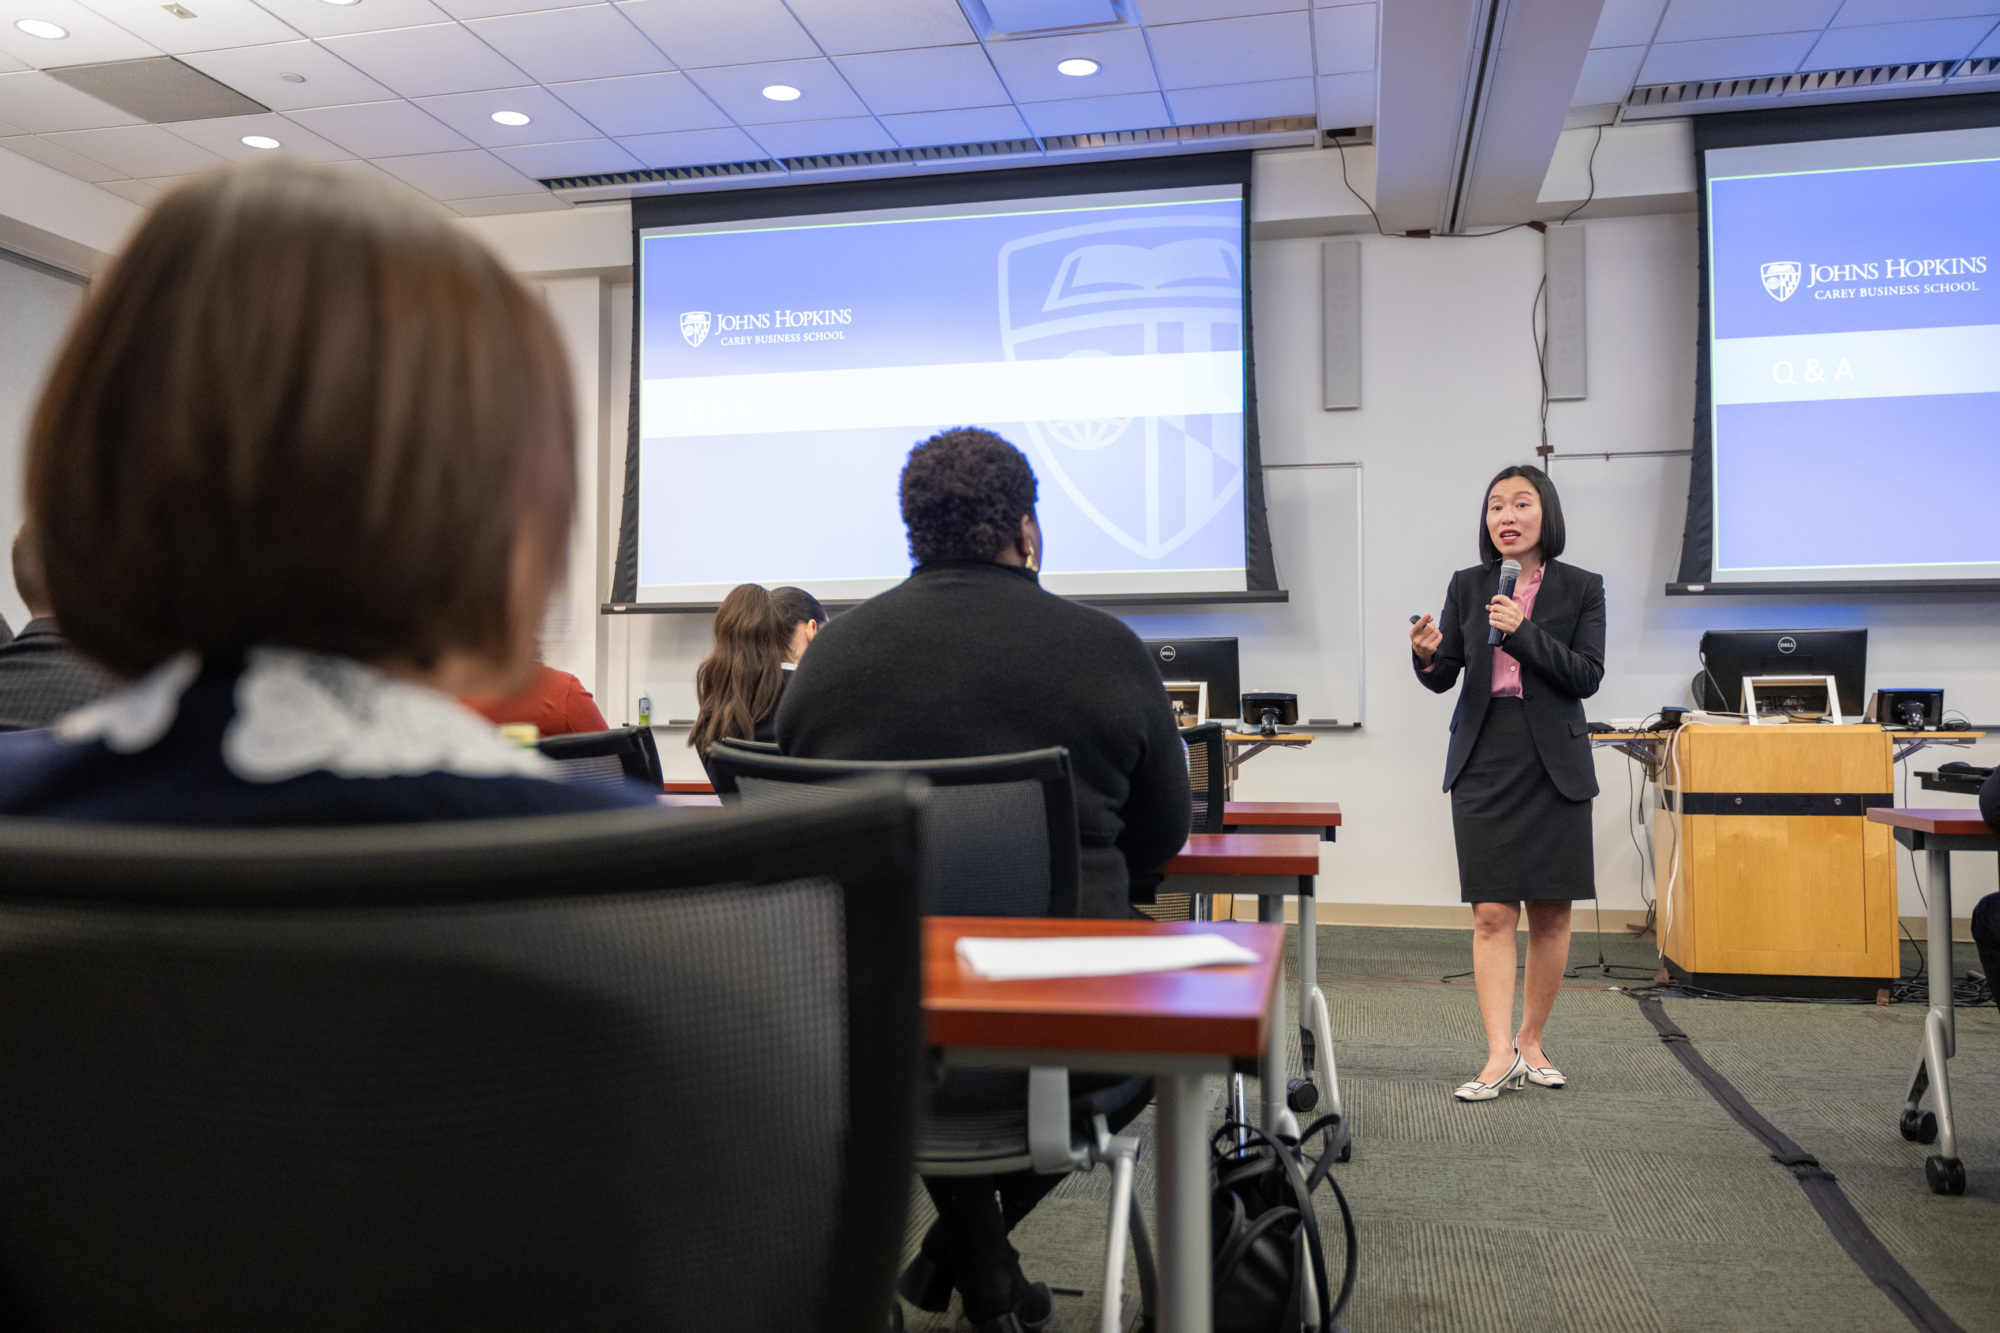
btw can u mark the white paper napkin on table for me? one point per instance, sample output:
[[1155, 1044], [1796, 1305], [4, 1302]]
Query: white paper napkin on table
[[1095, 955]]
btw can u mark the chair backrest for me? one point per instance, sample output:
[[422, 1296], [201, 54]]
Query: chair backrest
[[999, 832], [754, 747], [1207, 767], [606, 756], [617, 1070]]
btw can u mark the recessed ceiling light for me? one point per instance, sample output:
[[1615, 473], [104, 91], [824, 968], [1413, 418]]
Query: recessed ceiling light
[[782, 92], [1077, 69], [293, 78], [260, 141], [41, 28], [511, 117], [343, 2]]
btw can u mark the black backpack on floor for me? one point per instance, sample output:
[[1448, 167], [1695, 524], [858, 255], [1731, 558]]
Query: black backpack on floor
[[1270, 1267]]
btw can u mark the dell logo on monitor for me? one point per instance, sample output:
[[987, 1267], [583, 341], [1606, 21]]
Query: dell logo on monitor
[[1167, 653], [1788, 644]]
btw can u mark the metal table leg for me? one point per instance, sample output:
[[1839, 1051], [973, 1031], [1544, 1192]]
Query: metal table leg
[[1271, 1079], [1315, 1027], [1944, 1171], [1183, 1203]]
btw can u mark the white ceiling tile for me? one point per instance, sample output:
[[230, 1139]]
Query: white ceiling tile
[[511, 203], [380, 129], [255, 71], [1199, 55], [588, 42], [692, 148], [739, 90], [140, 151], [8, 64], [1029, 66], [223, 136], [1193, 11], [316, 18], [643, 104], [471, 114], [984, 124], [582, 157], [1345, 39], [695, 33], [92, 37], [937, 78], [481, 9], [1242, 101], [1627, 22], [1346, 100], [1699, 20], [844, 27], [1858, 12], [138, 192], [1608, 74], [423, 62], [68, 161], [10, 131], [216, 24], [40, 105], [1729, 58], [857, 134], [1097, 115], [1898, 43], [473, 174]]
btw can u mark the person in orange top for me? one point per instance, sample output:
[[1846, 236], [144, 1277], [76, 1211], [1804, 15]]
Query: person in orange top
[[553, 702]]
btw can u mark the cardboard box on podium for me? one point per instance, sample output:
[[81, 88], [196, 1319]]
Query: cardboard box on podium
[[1778, 883]]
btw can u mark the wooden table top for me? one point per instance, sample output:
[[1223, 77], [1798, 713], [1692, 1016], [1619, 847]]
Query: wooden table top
[[689, 786], [1198, 1011], [1247, 854], [1959, 823], [1308, 814], [1282, 738]]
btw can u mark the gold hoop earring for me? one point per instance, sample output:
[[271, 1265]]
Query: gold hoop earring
[[1034, 562]]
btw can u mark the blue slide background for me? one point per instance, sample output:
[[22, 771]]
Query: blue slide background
[[822, 504], [1788, 474]]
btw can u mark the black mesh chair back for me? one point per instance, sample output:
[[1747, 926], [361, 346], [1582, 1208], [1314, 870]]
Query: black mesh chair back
[[999, 832], [754, 747], [607, 1071], [606, 756], [1207, 768]]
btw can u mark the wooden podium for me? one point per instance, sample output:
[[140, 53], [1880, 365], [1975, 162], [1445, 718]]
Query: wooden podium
[[1777, 882]]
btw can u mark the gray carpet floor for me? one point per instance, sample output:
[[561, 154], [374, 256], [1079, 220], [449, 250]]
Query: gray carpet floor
[[1629, 1201]]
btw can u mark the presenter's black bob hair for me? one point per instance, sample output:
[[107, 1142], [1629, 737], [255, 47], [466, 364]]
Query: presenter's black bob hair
[[965, 493], [1554, 534]]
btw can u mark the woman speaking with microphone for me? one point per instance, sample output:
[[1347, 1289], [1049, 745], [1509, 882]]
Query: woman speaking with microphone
[[1518, 767]]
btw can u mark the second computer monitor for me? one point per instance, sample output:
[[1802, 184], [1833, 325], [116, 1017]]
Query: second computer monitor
[[1730, 655], [1212, 660]]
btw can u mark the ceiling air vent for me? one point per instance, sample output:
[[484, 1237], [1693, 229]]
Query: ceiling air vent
[[159, 89], [1822, 85], [837, 161], [660, 175], [1222, 129]]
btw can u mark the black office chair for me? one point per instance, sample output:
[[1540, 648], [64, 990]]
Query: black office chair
[[605, 1071], [1206, 769], [1000, 839], [754, 747], [607, 757]]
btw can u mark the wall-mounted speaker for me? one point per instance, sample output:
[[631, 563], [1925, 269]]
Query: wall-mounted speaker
[[1340, 323], [1563, 349]]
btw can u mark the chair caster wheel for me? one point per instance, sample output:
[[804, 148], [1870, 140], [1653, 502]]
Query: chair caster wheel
[[1301, 1095], [1918, 1126], [1346, 1153], [1946, 1175]]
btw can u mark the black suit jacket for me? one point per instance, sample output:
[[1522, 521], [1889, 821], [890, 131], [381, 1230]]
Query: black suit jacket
[[1561, 652]]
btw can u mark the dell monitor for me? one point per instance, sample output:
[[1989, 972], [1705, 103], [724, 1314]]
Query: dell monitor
[[1727, 656], [1212, 660]]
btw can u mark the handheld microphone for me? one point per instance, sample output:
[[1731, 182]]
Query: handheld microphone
[[1510, 572]]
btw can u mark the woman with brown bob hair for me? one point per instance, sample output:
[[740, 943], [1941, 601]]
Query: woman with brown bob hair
[[303, 473], [760, 634]]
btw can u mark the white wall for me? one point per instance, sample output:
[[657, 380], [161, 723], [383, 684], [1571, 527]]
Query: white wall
[[36, 307]]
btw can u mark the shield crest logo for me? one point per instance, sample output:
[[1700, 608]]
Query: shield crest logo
[[1132, 288], [694, 326], [1781, 278]]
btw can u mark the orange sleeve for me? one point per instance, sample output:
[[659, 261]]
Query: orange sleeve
[[580, 712]]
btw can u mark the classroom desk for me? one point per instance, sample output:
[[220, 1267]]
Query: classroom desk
[[1176, 1026], [1274, 866], [688, 786], [1319, 818], [1938, 833]]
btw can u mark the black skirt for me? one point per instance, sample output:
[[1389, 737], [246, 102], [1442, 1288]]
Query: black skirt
[[1518, 837]]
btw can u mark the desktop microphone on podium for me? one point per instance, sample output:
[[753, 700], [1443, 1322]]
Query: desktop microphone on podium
[[1510, 571]]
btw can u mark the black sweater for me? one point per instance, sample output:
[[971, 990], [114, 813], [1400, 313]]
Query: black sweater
[[970, 658]]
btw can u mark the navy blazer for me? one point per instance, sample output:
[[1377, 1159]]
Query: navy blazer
[[1561, 652]]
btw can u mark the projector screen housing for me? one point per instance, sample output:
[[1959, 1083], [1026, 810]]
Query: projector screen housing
[[1848, 289], [770, 455]]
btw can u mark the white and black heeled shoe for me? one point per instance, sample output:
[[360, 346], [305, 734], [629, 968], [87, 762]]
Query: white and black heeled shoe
[[1542, 1078], [1511, 1081]]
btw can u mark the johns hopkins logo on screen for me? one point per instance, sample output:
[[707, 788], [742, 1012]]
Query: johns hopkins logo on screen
[[1133, 289], [1781, 279], [695, 325]]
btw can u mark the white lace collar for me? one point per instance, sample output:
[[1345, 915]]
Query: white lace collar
[[299, 712]]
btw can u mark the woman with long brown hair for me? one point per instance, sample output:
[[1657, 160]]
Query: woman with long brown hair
[[759, 636]]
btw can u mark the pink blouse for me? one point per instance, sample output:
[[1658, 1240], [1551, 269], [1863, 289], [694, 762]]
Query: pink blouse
[[1507, 671]]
